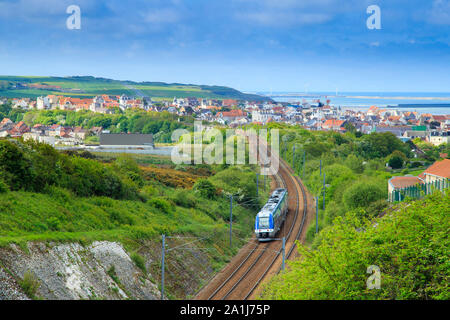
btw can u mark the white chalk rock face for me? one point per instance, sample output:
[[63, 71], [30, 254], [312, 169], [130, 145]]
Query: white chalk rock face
[[102, 270]]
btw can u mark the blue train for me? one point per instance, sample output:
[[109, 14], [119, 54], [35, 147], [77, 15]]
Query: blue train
[[272, 215]]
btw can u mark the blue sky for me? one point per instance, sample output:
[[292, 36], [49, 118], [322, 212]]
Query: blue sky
[[251, 45]]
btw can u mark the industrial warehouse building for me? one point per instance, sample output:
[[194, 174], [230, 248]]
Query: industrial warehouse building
[[126, 140]]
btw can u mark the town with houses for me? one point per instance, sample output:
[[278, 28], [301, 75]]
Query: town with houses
[[405, 125]]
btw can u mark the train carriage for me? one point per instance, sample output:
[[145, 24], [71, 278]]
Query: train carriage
[[269, 220]]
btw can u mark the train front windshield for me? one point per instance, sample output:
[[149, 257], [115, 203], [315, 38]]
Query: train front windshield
[[264, 222]]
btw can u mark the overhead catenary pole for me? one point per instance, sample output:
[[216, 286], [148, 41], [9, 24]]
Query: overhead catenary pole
[[324, 191], [304, 160], [162, 265], [317, 214], [293, 157], [257, 185], [320, 166], [284, 253], [231, 218]]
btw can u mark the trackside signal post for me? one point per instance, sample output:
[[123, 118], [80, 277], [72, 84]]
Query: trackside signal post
[[231, 218], [304, 160], [257, 185], [317, 214], [283, 251], [293, 157], [162, 265], [324, 187]]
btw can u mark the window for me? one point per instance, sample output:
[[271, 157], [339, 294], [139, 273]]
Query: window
[[264, 222]]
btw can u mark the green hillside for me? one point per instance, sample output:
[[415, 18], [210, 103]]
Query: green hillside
[[50, 196], [86, 86], [409, 245]]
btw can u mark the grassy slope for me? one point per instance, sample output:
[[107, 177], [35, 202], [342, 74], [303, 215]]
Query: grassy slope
[[28, 216], [171, 208], [60, 215]]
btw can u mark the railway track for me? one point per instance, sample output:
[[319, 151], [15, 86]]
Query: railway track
[[249, 268]]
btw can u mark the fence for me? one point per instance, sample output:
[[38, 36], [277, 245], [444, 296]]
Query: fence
[[418, 191]]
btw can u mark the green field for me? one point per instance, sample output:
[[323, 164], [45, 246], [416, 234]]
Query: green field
[[91, 86]]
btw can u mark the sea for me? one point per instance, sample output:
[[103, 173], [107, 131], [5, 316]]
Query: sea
[[437, 103]]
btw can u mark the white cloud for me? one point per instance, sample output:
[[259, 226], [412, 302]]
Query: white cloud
[[440, 12], [283, 18], [37, 8], [288, 12], [159, 16]]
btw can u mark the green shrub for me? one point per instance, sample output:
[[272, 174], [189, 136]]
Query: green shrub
[[30, 284], [354, 163], [129, 167], [58, 193], [415, 164], [363, 193], [112, 273], [205, 188], [148, 192], [185, 198], [3, 187], [53, 224], [161, 205], [139, 261], [376, 208]]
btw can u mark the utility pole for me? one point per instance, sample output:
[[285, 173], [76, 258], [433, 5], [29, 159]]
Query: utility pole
[[284, 254], [257, 185], [304, 160], [162, 265], [317, 214], [293, 157], [264, 183], [231, 218], [324, 191]]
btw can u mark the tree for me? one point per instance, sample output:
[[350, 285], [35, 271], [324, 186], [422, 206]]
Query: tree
[[350, 127], [14, 167], [354, 163], [5, 109], [205, 188], [396, 159], [380, 145]]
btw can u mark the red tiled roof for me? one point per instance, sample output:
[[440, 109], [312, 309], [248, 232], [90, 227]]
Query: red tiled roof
[[333, 123], [439, 168], [439, 118], [403, 182], [233, 113], [5, 120]]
